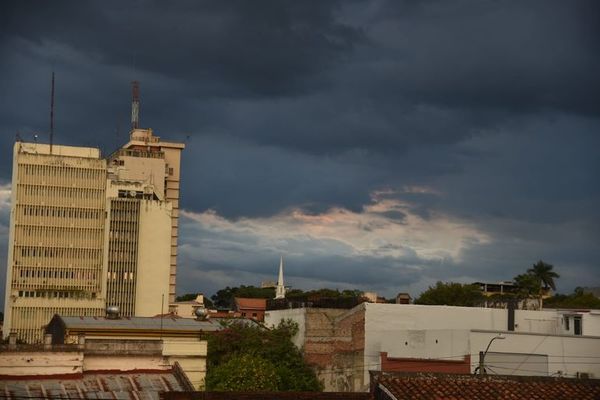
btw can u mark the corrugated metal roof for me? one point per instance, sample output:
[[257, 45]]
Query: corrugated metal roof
[[125, 386], [141, 323]]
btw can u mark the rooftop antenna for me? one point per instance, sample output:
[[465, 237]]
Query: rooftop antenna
[[135, 105], [52, 113]]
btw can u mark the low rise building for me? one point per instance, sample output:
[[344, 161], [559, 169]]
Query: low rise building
[[251, 308], [136, 343], [343, 345]]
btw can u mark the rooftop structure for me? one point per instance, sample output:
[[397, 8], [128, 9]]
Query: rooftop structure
[[134, 386]]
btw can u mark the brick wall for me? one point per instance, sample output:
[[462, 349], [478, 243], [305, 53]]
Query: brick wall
[[425, 365], [334, 346]]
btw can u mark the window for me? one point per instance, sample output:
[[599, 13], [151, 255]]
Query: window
[[566, 322], [577, 326]]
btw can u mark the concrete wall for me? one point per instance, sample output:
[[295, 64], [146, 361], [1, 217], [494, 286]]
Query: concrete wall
[[154, 255], [36, 363], [566, 354]]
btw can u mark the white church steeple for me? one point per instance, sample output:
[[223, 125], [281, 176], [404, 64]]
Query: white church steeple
[[280, 290]]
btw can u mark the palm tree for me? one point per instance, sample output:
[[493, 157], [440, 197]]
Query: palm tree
[[544, 273]]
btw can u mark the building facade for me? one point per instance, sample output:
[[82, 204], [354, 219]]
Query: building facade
[[344, 345], [87, 232]]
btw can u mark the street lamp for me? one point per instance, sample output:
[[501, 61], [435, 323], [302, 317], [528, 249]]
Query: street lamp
[[483, 353]]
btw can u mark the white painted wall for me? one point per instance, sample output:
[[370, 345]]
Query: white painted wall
[[388, 327], [298, 315], [567, 354], [450, 344]]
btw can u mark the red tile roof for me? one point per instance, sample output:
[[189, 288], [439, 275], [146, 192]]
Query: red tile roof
[[250, 304], [454, 387]]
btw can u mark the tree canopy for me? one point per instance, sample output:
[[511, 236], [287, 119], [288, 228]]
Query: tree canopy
[[544, 274], [267, 355], [578, 299], [224, 297], [451, 294]]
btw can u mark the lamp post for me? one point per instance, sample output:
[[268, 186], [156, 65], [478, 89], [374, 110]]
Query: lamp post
[[483, 353]]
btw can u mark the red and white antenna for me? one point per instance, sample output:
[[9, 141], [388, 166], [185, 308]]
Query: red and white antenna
[[135, 105]]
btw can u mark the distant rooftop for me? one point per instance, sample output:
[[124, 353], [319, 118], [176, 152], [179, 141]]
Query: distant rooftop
[[139, 323], [414, 386], [121, 385]]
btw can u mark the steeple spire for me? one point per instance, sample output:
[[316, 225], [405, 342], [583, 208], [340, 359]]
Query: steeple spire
[[280, 290]]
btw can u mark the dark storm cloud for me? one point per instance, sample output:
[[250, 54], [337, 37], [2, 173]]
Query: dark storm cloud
[[265, 48], [312, 105]]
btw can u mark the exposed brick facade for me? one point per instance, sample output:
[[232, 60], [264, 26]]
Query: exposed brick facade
[[334, 345], [425, 365]]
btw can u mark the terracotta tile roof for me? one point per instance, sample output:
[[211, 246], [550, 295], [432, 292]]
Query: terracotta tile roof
[[250, 304], [454, 387]]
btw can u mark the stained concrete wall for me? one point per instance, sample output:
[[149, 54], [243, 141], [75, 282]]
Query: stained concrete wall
[[38, 363]]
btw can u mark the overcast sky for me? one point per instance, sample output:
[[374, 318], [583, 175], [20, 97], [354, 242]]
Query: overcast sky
[[378, 145]]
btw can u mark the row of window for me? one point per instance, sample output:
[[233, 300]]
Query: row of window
[[57, 192], [69, 173], [57, 294], [61, 252], [126, 275], [57, 274], [62, 212]]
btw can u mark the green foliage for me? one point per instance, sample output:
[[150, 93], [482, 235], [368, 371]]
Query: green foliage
[[544, 274], [243, 372], [528, 285], [259, 345], [578, 299], [300, 295], [224, 298], [451, 294]]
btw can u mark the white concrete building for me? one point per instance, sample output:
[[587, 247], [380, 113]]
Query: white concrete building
[[344, 345]]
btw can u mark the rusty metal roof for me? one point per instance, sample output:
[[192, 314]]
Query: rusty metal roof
[[121, 385], [141, 323]]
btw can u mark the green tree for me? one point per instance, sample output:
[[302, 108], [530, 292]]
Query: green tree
[[274, 346], [243, 372], [451, 294], [544, 273], [224, 298], [528, 285], [578, 299]]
